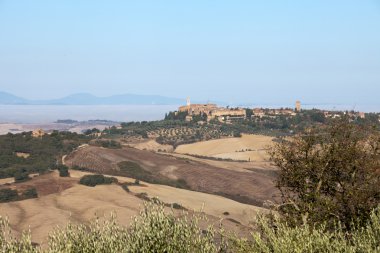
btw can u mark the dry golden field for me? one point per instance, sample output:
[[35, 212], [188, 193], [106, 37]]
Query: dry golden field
[[247, 148], [63, 200], [151, 145]]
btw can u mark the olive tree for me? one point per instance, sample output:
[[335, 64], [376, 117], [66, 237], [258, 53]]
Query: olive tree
[[329, 175]]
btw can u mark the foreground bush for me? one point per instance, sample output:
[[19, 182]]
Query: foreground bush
[[280, 237], [155, 230], [329, 175]]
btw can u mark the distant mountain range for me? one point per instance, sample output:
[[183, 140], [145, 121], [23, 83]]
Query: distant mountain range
[[89, 99]]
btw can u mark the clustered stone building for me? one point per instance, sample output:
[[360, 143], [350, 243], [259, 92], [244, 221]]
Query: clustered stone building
[[212, 111]]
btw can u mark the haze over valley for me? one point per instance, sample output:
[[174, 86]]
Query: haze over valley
[[189, 126]]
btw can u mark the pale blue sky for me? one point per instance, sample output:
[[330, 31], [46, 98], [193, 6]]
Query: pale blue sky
[[325, 51]]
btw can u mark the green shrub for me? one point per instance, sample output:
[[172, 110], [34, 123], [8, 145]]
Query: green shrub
[[108, 144], [21, 176], [30, 193], [93, 180], [143, 196], [63, 171], [7, 195], [279, 237], [125, 187], [177, 206]]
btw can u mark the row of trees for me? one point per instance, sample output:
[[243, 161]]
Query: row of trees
[[9, 195]]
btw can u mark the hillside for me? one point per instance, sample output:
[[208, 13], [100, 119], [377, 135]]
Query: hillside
[[247, 185], [63, 199]]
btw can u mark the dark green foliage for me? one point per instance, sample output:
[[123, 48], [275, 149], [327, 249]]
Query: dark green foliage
[[177, 206], [76, 167], [63, 170], [176, 116], [329, 175], [143, 196], [125, 187], [248, 113], [93, 180], [317, 116], [44, 152], [108, 144], [30, 193], [21, 175], [200, 117], [91, 131], [7, 195]]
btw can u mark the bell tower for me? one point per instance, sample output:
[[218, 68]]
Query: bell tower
[[298, 106], [188, 101]]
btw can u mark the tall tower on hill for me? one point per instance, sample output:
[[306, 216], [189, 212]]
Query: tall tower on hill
[[298, 106], [188, 101]]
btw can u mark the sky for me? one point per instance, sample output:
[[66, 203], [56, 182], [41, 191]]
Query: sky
[[268, 52]]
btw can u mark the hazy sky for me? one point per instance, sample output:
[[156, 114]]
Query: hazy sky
[[234, 51]]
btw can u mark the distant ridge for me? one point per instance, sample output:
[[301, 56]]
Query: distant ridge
[[89, 99], [10, 99]]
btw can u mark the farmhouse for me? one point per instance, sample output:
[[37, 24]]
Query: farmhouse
[[38, 133]]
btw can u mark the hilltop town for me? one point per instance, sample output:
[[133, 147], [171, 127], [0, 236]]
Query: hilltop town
[[223, 114]]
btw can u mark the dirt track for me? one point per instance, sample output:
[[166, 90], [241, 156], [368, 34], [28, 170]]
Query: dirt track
[[251, 187]]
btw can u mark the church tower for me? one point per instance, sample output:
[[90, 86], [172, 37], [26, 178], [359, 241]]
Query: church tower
[[298, 106], [188, 101]]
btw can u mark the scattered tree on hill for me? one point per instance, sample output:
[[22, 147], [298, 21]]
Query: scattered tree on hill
[[21, 175], [329, 175], [30, 193], [93, 180], [63, 170], [7, 195]]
